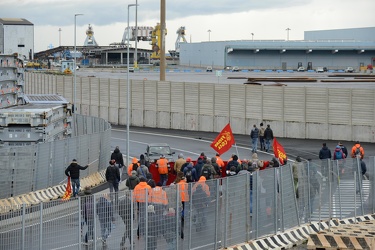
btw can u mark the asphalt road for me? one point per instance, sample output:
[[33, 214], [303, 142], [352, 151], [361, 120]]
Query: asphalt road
[[192, 143]]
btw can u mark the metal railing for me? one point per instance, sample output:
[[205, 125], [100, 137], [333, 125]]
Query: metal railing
[[223, 213]]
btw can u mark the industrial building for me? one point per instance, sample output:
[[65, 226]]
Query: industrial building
[[333, 49], [17, 36]]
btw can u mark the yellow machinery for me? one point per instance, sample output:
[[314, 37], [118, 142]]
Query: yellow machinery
[[156, 41]]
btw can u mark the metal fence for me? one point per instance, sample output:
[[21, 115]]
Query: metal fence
[[29, 168], [214, 214]]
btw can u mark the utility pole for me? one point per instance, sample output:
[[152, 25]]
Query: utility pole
[[162, 40], [136, 35], [287, 34], [59, 37]]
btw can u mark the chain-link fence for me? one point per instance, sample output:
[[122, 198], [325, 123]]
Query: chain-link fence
[[29, 168], [208, 214]]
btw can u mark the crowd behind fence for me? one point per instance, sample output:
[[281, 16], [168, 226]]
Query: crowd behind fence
[[34, 167], [225, 212]]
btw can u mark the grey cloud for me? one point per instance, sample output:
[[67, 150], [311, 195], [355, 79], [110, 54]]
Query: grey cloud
[[111, 11]]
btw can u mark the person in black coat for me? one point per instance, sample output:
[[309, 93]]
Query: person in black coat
[[325, 156], [104, 209], [112, 175], [72, 171], [117, 156], [268, 136]]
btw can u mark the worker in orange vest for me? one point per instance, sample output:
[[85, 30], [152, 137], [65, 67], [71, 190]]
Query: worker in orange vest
[[133, 166], [162, 165], [158, 198], [219, 161], [200, 199], [140, 194], [183, 188]]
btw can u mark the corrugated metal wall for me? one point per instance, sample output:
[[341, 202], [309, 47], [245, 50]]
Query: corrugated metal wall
[[317, 112]]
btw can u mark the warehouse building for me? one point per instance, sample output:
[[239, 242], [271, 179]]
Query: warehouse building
[[333, 49], [17, 36]]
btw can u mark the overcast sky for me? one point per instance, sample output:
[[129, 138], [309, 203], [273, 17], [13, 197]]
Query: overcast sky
[[227, 19]]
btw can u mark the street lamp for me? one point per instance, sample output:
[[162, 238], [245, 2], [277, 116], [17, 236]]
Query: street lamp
[[75, 62], [128, 92], [209, 35], [59, 37], [287, 34], [252, 37], [136, 35]]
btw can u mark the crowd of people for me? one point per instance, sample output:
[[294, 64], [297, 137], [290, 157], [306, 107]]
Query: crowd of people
[[152, 199]]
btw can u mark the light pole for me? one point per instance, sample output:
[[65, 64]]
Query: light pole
[[75, 62], [136, 35], [287, 34], [209, 35], [128, 92], [59, 37], [252, 37]]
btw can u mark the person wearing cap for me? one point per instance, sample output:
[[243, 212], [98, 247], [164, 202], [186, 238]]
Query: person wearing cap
[[132, 181], [178, 164], [73, 171], [162, 166], [188, 160], [141, 191], [112, 175]]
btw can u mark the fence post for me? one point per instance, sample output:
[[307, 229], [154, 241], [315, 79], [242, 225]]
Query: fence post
[[295, 193], [360, 183], [95, 224], [190, 214], [146, 219], [355, 196], [280, 175], [248, 227], [41, 226], [131, 220], [309, 191], [338, 184], [275, 198], [217, 212], [178, 214], [330, 179], [23, 225], [226, 211], [256, 204], [80, 231]]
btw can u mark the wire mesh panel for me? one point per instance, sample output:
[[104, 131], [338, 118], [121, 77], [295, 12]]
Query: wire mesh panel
[[237, 208], [264, 214], [11, 233]]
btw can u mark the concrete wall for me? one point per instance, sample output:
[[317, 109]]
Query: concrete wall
[[16, 36], [293, 112]]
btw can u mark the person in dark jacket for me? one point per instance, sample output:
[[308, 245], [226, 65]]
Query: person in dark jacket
[[198, 166], [104, 210], [117, 156], [153, 229], [193, 171], [275, 162], [126, 216], [232, 163], [254, 135], [344, 149], [268, 136], [142, 161], [88, 214], [169, 230], [72, 171], [112, 175], [132, 181], [325, 156]]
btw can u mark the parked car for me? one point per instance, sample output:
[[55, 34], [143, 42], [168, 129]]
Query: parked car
[[209, 69], [155, 150], [349, 70], [319, 70], [235, 69], [301, 69]]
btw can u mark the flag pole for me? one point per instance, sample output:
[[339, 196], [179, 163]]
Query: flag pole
[[238, 155]]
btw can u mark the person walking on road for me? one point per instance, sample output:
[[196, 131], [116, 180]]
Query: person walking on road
[[261, 136], [162, 165], [132, 181], [140, 195], [178, 164], [344, 149], [357, 151], [125, 213], [200, 198], [254, 135], [268, 137], [112, 175], [104, 209], [119, 160], [325, 155], [72, 171]]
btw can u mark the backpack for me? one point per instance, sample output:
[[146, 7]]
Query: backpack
[[338, 155], [189, 175], [358, 151], [206, 172]]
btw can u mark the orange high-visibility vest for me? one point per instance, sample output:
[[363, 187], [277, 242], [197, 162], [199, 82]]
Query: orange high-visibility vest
[[158, 196], [162, 166], [183, 189], [139, 192]]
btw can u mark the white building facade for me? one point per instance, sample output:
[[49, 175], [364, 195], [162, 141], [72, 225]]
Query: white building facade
[[17, 36]]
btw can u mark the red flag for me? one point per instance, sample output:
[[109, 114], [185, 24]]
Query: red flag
[[279, 152], [68, 191], [224, 141]]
